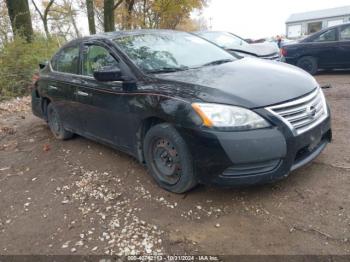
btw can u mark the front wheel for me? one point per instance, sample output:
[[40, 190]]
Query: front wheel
[[168, 159], [309, 64]]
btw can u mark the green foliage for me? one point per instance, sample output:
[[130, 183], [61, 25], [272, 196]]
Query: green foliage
[[19, 61]]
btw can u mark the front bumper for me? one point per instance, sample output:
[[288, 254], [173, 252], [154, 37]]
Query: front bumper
[[255, 157]]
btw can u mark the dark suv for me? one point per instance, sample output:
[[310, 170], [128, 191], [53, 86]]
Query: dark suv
[[186, 108], [327, 49]]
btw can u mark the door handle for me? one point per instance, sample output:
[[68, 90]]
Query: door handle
[[52, 87], [80, 93], [76, 81]]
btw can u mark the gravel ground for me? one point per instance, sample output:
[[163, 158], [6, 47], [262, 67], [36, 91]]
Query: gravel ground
[[80, 197]]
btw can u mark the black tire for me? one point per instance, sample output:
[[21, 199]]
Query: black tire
[[168, 159], [55, 124], [309, 64]]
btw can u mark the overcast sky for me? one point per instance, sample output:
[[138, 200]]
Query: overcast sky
[[260, 18]]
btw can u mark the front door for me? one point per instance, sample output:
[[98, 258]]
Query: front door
[[105, 109]]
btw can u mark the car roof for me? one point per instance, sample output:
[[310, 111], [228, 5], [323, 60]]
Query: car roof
[[322, 31], [209, 31], [116, 34]]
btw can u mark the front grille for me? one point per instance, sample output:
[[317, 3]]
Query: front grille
[[252, 168], [303, 113]]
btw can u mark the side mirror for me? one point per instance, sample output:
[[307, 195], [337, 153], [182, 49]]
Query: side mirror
[[108, 74], [43, 64]]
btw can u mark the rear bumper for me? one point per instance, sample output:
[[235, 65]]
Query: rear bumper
[[37, 104], [256, 157], [289, 60]]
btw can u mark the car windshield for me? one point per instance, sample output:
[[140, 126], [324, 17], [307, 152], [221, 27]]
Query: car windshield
[[173, 51], [223, 39]]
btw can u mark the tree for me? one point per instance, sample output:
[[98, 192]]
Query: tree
[[44, 15], [170, 13], [91, 16], [129, 5], [5, 24], [20, 18], [63, 17], [108, 18], [71, 13]]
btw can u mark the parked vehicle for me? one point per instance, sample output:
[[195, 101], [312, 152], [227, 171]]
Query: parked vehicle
[[186, 108], [326, 49], [236, 45]]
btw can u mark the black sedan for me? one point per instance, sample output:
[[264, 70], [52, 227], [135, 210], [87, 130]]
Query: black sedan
[[327, 49], [184, 107]]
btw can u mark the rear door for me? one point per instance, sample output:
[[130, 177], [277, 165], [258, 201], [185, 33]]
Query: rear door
[[344, 46], [324, 48], [61, 85]]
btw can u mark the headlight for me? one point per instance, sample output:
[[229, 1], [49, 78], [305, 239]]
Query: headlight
[[324, 102], [229, 117]]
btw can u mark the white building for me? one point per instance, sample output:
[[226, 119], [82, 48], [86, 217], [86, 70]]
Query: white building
[[301, 24]]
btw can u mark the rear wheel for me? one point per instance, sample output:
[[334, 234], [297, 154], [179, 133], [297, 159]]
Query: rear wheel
[[309, 64], [168, 159], [55, 124]]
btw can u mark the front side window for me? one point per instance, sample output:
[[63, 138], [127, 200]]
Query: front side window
[[224, 39], [328, 36], [173, 50], [67, 60], [96, 57], [345, 34]]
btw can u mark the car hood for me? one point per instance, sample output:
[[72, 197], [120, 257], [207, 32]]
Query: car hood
[[260, 50], [248, 82]]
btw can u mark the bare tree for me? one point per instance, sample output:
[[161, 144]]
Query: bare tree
[[129, 5], [91, 16], [63, 17], [20, 18], [44, 15], [108, 18]]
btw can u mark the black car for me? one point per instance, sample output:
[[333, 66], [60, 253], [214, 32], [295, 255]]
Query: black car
[[186, 108], [326, 49], [238, 46]]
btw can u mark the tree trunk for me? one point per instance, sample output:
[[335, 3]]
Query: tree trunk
[[129, 7], [74, 23], [108, 18], [20, 18], [46, 29], [44, 17], [91, 16]]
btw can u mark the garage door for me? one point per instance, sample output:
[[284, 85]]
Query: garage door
[[294, 31]]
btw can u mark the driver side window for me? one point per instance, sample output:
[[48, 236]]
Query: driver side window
[[96, 57]]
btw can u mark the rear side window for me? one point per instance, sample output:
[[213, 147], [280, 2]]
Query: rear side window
[[345, 34], [328, 36], [96, 57], [67, 60]]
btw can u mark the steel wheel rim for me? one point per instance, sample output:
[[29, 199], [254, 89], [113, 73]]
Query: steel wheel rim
[[166, 161], [306, 65]]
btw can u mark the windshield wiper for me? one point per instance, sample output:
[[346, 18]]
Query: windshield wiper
[[218, 62], [168, 70]]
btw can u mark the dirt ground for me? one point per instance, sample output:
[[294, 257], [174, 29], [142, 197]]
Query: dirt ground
[[80, 197]]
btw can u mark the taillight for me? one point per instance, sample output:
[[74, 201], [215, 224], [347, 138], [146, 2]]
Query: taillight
[[35, 79], [283, 52]]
